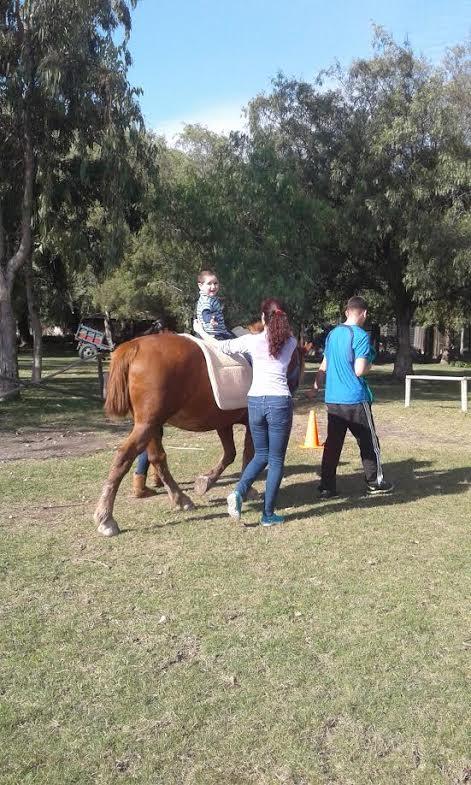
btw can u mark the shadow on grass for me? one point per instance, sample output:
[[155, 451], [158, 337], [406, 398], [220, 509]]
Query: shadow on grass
[[414, 480], [76, 397]]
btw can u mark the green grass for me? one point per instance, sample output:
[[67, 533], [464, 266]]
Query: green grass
[[334, 650], [65, 400]]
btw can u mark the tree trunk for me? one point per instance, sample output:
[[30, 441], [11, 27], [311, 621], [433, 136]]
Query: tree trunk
[[108, 333], [35, 324], [403, 361], [375, 336], [447, 353], [8, 270], [8, 352]]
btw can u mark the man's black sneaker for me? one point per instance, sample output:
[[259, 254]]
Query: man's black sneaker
[[325, 493], [379, 488]]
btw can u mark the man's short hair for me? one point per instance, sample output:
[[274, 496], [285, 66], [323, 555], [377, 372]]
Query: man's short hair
[[357, 304]]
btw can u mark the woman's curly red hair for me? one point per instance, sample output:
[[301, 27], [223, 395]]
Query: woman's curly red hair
[[277, 324]]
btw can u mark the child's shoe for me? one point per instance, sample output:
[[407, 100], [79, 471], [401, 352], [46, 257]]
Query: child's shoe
[[139, 487]]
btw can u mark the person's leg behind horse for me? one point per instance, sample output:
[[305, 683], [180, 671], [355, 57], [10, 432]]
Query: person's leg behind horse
[[280, 420], [337, 423], [139, 479], [139, 487], [142, 463], [259, 431], [158, 458]]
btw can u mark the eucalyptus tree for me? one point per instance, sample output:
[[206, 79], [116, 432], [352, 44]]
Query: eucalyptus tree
[[404, 182], [387, 145], [252, 220], [63, 94]]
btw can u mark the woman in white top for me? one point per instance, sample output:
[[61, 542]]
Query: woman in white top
[[274, 356]]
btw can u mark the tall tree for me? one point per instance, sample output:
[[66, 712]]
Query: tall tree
[[229, 203], [403, 181], [63, 93], [388, 146]]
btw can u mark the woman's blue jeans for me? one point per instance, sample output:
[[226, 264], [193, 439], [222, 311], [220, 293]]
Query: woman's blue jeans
[[270, 420]]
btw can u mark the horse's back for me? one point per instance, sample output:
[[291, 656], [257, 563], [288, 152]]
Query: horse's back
[[164, 378]]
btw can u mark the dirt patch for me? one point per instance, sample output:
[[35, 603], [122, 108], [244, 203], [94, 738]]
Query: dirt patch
[[386, 430], [53, 444]]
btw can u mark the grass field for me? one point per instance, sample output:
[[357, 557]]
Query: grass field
[[190, 650]]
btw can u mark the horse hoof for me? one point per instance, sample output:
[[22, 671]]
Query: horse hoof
[[185, 503], [108, 528], [252, 494], [202, 484]]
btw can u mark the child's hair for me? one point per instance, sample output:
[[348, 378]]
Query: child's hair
[[276, 320], [204, 274]]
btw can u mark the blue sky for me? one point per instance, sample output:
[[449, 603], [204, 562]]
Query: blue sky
[[202, 60]]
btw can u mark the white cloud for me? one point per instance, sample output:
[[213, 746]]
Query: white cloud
[[221, 119]]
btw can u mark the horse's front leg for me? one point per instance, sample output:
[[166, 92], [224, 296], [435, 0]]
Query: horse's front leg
[[134, 444], [158, 458], [205, 481]]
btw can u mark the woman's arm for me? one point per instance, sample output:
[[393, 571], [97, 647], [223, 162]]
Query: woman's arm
[[235, 345]]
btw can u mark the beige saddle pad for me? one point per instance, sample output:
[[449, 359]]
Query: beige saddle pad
[[230, 377]]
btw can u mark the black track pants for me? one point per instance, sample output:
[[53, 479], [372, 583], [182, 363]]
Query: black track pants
[[358, 419]]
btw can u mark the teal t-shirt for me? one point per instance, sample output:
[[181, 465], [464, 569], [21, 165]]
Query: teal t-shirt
[[344, 345]]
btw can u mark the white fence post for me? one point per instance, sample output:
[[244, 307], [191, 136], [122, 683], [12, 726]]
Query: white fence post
[[408, 386], [464, 395]]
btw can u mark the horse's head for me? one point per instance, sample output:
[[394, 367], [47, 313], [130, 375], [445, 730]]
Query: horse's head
[[304, 347], [255, 327]]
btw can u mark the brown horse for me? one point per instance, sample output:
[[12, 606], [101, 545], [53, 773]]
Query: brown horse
[[164, 379]]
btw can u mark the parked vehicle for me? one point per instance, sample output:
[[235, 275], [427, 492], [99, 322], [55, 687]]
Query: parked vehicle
[[91, 342]]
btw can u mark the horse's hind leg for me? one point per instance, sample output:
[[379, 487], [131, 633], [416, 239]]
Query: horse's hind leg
[[158, 458], [206, 481], [135, 443]]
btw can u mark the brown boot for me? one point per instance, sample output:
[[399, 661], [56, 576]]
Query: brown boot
[[154, 480], [139, 488]]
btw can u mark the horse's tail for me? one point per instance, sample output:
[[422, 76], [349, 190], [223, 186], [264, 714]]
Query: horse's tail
[[118, 403]]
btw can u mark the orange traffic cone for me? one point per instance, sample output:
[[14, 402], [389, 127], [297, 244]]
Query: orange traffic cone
[[312, 434]]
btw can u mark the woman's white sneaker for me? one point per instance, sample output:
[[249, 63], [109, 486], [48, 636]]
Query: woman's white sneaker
[[234, 505]]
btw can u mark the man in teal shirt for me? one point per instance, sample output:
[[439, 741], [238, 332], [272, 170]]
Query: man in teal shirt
[[347, 358]]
